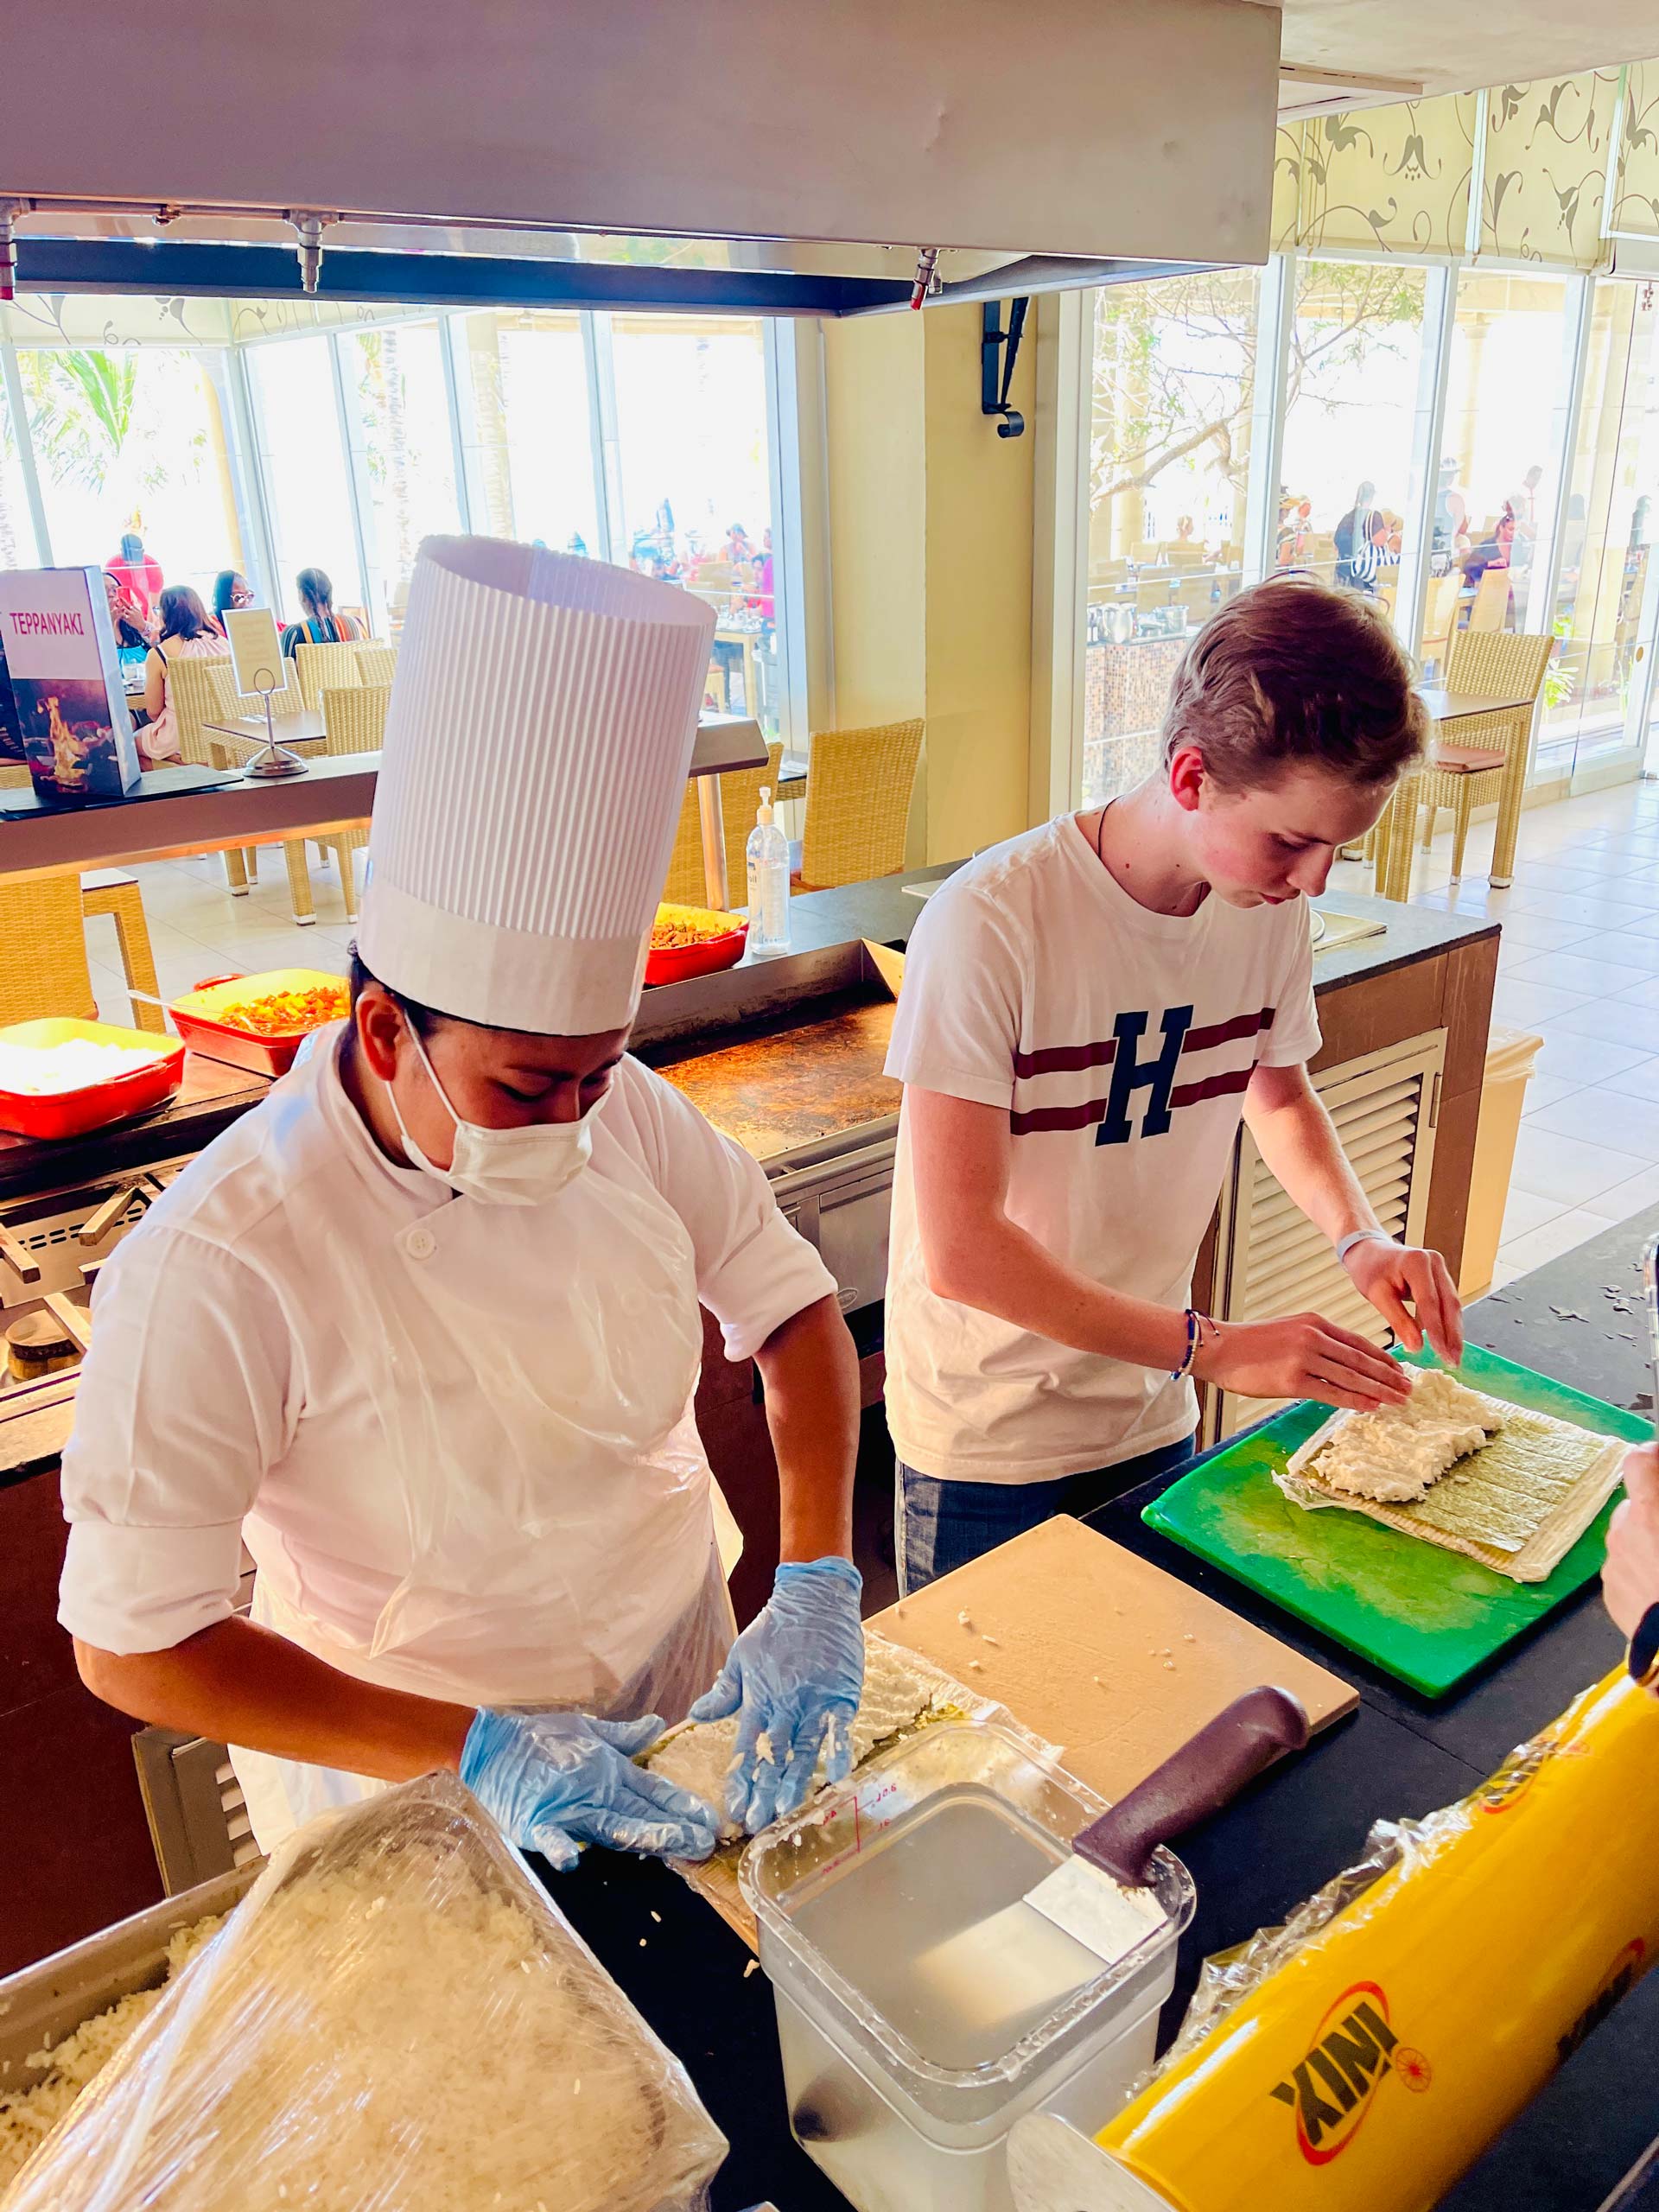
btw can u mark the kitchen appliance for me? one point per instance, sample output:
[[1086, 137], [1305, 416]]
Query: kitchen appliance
[[905, 2102], [1426, 1616], [52, 1244]]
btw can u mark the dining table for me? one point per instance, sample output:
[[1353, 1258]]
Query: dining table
[[1395, 845]]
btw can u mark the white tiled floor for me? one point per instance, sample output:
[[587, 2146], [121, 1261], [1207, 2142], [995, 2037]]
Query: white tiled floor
[[1578, 966], [198, 930]]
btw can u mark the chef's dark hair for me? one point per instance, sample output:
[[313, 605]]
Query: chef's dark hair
[[423, 1020]]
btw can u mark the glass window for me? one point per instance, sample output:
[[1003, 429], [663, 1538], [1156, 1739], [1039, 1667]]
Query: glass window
[[543, 384], [1354, 405], [1602, 537], [1505, 418], [697, 486], [130, 440], [396, 373], [302, 468], [16, 526], [1174, 384]]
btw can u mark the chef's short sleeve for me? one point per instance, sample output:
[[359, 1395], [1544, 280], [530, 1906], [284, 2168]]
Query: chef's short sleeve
[[958, 1026], [183, 1403], [754, 1271], [1294, 1037]]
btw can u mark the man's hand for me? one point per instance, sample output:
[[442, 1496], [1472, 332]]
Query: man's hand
[[1396, 1277], [1629, 1581], [1301, 1357]]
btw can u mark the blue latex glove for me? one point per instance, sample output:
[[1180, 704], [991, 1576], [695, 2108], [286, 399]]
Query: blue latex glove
[[554, 1780], [798, 1666]]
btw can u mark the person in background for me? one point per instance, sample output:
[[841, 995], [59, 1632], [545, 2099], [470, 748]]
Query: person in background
[[1183, 530], [1378, 549], [231, 589], [319, 625], [187, 633], [133, 628], [137, 570], [1521, 509], [1450, 537], [1629, 1579], [1353, 534]]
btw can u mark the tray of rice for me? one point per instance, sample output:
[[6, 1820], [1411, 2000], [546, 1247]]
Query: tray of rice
[[60, 1077], [394, 2016]]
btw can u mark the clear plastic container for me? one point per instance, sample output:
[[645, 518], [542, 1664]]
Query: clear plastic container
[[905, 2107]]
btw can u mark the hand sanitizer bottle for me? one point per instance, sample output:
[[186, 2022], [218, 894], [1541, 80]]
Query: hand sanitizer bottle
[[768, 857]]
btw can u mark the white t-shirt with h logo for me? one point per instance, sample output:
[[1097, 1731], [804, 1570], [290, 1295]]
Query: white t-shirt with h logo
[[1119, 1041]]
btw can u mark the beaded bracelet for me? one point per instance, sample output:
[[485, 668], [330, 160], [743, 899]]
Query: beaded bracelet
[[1195, 1322]]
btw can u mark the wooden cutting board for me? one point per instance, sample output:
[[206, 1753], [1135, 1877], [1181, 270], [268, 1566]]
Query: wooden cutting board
[[1099, 1651]]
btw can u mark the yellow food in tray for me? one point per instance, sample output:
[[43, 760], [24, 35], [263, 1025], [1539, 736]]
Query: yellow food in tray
[[677, 927]]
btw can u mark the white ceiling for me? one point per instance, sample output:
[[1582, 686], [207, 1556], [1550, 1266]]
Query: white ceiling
[[1457, 45]]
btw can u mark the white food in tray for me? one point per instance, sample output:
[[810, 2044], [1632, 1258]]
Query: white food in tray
[[1396, 1454], [43, 1071]]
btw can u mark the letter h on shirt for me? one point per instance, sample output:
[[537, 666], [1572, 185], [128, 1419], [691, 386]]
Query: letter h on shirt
[[1131, 1073]]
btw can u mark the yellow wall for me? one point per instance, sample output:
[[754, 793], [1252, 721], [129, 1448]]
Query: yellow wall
[[931, 556]]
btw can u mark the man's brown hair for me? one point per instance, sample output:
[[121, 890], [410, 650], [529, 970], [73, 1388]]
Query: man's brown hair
[[1292, 671]]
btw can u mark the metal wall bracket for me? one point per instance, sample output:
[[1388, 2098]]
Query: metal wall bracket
[[999, 350]]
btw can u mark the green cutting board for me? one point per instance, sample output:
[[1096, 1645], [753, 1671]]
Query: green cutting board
[[1426, 1616]]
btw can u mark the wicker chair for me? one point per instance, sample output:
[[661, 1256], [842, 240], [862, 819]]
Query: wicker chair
[[333, 664], [199, 692], [43, 927], [354, 720], [1488, 759], [1490, 610], [858, 789], [376, 663], [740, 795]]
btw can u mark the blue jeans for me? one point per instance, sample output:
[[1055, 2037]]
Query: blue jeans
[[939, 1525]]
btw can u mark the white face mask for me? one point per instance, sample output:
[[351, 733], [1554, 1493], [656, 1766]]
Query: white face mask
[[507, 1167]]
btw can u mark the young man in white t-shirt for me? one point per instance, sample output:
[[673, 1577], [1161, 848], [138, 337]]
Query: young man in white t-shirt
[[1086, 1012]]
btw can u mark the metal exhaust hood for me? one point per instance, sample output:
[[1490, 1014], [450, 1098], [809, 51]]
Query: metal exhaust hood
[[803, 160]]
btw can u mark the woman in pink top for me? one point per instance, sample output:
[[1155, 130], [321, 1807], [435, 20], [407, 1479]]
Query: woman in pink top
[[187, 633]]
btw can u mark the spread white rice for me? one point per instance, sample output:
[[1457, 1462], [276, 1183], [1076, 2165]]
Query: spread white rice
[[42, 1071], [28, 2116]]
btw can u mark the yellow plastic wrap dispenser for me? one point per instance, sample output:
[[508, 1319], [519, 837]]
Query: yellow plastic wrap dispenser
[[1371, 2066]]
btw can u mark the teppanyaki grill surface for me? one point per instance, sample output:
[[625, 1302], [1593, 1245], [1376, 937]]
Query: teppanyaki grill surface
[[791, 1083]]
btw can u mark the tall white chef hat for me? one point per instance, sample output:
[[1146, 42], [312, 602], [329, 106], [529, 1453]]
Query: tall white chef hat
[[537, 746]]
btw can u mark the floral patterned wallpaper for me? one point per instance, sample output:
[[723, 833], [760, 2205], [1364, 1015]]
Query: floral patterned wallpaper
[[1635, 208], [1398, 179], [1545, 178]]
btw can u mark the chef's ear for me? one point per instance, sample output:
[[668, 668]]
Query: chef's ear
[[382, 1029], [1186, 777]]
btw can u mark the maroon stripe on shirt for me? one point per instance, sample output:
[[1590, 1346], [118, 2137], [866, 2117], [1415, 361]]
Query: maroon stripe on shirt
[[1057, 1117], [1065, 1059], [1213, 1086], [1227, 1033]]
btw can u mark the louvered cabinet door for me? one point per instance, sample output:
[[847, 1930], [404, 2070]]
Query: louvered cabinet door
[[1272, 1261]]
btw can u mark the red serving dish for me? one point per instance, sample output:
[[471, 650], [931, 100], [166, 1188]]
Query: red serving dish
[[198, 1016], [721, 947], [72, 1113]]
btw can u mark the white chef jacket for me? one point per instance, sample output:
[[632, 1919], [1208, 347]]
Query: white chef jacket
[[222, 1397]]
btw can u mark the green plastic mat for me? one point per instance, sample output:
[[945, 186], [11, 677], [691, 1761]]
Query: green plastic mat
[[1426, 1616]]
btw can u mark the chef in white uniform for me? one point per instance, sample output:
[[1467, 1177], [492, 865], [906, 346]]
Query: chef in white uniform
[[423, 1329]]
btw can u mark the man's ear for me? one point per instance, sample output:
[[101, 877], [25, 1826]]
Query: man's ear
[[379, 1025], [1186, 777]]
